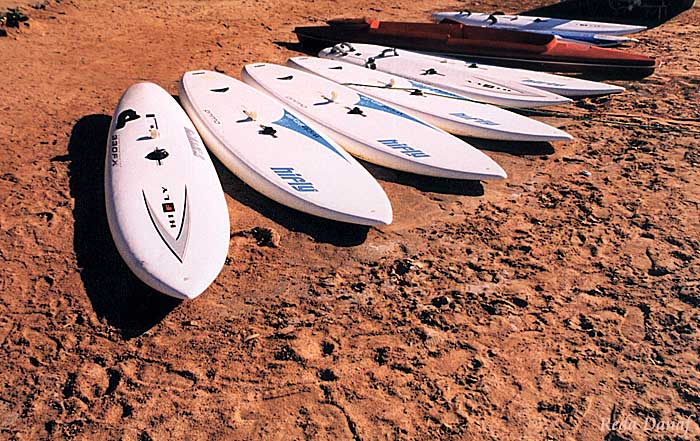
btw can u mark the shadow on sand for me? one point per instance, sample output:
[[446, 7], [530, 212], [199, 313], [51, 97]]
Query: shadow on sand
[[517, 148], [648, 14], [298, 47], [425, 183], [116, 294]]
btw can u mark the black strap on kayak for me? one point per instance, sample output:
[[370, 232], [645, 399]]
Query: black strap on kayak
[[370, 64], [417, 92], [473, 66], [492, 19], [465, 12]]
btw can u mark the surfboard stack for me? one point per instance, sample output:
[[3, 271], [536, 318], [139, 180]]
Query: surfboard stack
[[464, 76], [278, 153], [165, 205], [293, 132], [489, 45]]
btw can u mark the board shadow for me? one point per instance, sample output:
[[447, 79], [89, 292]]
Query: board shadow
[[319, 229], [115, 293], [428, 184], [298, 47], [627, 12], [516, 148]]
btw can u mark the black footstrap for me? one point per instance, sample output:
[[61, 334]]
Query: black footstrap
[[267, 130], [356, 111]]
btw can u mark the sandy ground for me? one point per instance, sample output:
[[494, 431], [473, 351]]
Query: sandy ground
[[554, 305]]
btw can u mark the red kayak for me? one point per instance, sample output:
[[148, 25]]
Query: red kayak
[[490, 46]]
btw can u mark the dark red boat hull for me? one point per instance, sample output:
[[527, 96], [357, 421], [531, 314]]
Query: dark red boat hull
[[491, 46]]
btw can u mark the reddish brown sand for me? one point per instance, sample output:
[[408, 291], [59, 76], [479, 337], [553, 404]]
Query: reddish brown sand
[[540, 307]]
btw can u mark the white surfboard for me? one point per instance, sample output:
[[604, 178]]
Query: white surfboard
[[470, 84], [279, 154], [565, 86], [165, 206], [371, 129], [441, 108], [553, 26]]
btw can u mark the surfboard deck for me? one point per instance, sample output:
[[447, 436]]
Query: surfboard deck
[[371, 129], [165, 205], [553, 26], [448, 111], [468, 83], [558, 84], [278, 153]]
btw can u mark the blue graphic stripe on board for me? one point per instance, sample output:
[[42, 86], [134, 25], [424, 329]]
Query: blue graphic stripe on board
[[370, 103], [293, 123], [423, 86]]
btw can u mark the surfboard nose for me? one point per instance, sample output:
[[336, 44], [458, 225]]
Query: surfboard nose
[[184, 289], [500, 173], [383, 216], [559, 99], [182, 295], [555, 134], [493, 171], [375, 210], [532, 130], [485, 168]]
